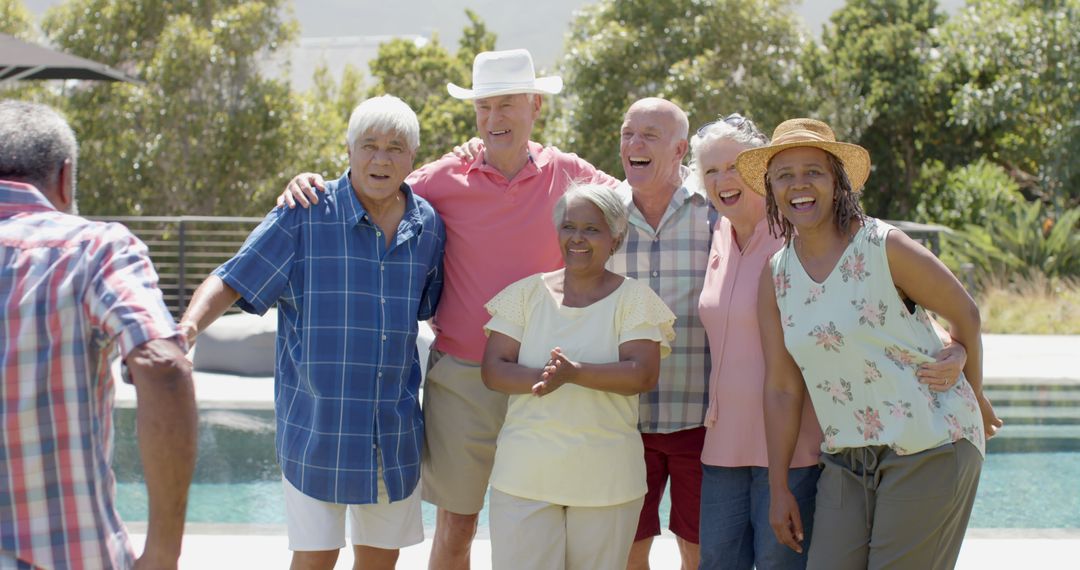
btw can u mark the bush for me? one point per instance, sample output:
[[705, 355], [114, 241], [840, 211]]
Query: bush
[[965, 195], [1024, 241]]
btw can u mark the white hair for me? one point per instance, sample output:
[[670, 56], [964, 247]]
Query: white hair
[[385, 114], [606, 199], [745, 134]]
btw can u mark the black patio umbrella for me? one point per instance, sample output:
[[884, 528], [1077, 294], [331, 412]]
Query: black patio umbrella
[[20, 60]]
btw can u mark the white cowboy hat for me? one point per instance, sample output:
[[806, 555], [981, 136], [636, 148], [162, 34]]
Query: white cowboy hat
[[505, 73]]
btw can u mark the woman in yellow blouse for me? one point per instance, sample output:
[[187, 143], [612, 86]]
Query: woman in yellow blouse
[[573, 348]]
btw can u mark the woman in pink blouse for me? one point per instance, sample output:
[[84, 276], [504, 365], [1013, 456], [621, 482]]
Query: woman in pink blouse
[[735, 530]]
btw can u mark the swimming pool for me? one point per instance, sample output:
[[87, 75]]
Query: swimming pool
[[1031, 477], [1017, 490]]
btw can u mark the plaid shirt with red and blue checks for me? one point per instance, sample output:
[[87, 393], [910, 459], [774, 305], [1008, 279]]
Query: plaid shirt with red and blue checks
[[71, 291]]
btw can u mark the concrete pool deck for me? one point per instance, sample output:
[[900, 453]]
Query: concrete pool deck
[[983, 549], [1009, 360]]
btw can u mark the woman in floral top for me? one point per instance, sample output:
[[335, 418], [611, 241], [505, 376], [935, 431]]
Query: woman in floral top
[[842, 317]]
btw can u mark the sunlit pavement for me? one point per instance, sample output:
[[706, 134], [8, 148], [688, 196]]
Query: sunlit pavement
[[984, 549]]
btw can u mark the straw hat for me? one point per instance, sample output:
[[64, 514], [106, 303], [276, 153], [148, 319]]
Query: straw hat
[[753, 163], [505, 73]]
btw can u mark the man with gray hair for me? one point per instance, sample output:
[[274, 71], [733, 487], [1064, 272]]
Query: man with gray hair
[[73, 292], [350, 277], [497, 208]]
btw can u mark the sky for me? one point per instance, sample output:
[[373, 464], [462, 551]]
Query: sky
[[340, 31]]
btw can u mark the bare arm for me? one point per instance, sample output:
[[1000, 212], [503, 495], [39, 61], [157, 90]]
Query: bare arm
[[924, 279], [637, 370], [209, 302], [500, 369], [783, 400], [167, 426]]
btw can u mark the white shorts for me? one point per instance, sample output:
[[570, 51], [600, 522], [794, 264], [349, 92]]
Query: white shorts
[[318, 525]]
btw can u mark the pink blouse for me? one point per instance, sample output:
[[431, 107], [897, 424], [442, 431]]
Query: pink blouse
[[735, 421]]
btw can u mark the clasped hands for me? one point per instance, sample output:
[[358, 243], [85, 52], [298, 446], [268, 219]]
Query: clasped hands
[[559, 370]]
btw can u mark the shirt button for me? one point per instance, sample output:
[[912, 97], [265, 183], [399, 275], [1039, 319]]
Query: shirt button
[[656, 274], [381, 300], [384, 338], [382, 267], [378, 233], [379, 375]]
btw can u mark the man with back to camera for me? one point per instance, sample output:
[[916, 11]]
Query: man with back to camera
[[70, 291]]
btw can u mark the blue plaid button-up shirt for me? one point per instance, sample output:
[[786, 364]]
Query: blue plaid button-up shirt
[[348, 373]]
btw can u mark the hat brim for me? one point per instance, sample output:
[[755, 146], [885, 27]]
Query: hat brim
[[542, 85], [753, 163]]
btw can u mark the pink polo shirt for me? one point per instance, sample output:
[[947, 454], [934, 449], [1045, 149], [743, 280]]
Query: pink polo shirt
[[735, 420], [497, 232]]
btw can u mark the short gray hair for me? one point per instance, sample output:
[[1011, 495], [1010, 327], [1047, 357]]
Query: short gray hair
[[743, 132], [34, 143], [384, 114], [611, 206]]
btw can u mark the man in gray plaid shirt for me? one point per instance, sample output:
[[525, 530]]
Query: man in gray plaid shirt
[[667, 246]]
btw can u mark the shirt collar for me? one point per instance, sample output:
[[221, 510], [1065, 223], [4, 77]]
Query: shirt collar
[[354, 211], [538, 156], [23, 197], [682, 193]]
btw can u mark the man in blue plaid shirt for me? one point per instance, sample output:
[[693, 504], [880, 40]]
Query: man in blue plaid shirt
[[351, 277]]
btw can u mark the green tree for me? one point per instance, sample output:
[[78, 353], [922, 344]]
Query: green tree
[[709, 56], [418, 74], [208, 132], [1016, 66], [877, 60], [15, 19]]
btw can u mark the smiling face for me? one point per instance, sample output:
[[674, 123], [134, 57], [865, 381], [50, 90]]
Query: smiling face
[[651, 145], [379, 162], [803, 186], [505, 122], [585, 237], [724, 186]]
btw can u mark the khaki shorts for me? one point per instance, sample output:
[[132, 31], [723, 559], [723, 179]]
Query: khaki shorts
[[462, 419]]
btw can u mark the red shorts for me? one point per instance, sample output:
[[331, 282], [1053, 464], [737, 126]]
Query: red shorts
[[677, 454]]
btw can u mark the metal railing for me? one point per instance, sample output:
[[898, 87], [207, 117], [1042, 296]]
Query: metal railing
[[185, 249]]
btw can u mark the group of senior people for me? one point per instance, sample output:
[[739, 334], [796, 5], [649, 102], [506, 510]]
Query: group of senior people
[[571, 370]]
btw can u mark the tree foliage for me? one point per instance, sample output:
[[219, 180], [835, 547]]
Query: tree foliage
[[877, 59], [1015, 65], [208, 132], [969, 194], [15, 19], [418, 74], [709, 56]]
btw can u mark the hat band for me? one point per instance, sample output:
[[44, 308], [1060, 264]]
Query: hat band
[[801, 135], [491, 85]]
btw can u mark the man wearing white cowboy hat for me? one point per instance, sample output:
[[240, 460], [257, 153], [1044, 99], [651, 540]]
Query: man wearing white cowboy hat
[[497, 210]]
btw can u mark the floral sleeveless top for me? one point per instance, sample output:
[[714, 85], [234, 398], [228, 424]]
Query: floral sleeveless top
[[858, 347]]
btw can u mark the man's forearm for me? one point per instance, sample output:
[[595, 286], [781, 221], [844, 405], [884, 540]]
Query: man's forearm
[[167, 427], [209, 302]]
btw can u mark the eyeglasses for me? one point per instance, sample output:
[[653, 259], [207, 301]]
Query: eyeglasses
[[736, 121]]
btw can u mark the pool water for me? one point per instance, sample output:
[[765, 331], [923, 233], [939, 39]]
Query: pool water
[[1017, 490]]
